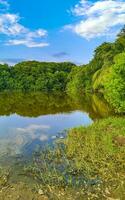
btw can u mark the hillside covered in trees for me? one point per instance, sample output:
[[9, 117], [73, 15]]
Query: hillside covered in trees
[[104, 74], [35, 76]]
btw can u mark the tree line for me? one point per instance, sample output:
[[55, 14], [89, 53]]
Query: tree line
[[35, 76], [104, 74]]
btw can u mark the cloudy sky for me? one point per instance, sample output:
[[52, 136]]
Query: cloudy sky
[[57, 30]]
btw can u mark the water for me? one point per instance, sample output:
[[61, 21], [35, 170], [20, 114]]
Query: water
[[35, 119], [29, 124]]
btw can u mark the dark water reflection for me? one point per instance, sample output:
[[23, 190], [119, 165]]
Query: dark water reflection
[[35, 119], [37, 104]]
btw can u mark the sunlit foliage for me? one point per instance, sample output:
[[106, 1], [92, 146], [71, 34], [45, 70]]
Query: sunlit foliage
[[35, 76]]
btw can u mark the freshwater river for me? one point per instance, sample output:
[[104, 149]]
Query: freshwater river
[[35, 119]]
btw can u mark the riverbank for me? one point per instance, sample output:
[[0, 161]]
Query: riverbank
[[88, 164], [98, 151]]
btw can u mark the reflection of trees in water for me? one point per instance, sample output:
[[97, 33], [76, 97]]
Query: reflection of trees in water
[[36, 104], [33, 104], [100, 106], [94, 105]]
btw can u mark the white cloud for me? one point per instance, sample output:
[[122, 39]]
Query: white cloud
[[17, 34], [81, 8], [98, 18], [26, 42], [9, 25], [34, 131], [32, 128]]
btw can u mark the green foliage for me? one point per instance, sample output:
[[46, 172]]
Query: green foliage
[[120, 41], [4, 77], [103, 56], [105, 74], [100, 78], [115, 84], [35, 76], [109, 79], [79, 81], [84, 78]]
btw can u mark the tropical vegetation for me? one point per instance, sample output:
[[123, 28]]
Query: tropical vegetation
[[90, 162], [35, 76], [104, 74]]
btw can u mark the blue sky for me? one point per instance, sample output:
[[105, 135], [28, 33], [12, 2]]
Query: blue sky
[[57, 30]]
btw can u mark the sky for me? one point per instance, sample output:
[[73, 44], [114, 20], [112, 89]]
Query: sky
[[57, 30]]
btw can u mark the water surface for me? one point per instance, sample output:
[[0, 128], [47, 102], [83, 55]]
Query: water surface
[[36, 119]]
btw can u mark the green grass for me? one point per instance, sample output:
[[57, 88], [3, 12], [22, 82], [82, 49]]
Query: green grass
[[88, 164], [99, 152]]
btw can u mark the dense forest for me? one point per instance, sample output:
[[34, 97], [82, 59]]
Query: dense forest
[[104, 74], [35, 76]]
